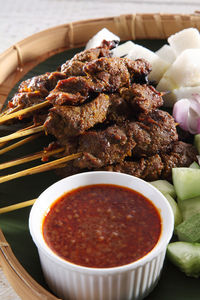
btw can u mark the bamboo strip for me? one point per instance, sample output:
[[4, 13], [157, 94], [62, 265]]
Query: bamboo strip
[[30, 158], [17, 206], [3, 144], [22, 133], [18, 144], [7, 112], [41, 168], [22, 112]]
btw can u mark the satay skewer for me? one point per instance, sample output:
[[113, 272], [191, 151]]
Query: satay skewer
[[16, 206], [21, 133], [28, 158], [10, 111], [2, 144], [21, 112], [41, 168], [18, 144]]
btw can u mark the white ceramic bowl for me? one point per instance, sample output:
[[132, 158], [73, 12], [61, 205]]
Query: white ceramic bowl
[[131, 281]]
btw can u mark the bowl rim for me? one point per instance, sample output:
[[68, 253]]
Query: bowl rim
[[37, 236]]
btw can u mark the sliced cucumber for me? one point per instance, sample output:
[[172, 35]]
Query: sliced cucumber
[[189, 207], [176, 210], [197, 142], [185, 256], [195, 165], [186, 182], [189, 230], [164, 187]]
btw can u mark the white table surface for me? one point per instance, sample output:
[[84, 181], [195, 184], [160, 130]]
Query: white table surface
[[21, 18]]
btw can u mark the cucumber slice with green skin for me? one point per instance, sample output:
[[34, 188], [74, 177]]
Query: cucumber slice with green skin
[[189, 207], [186, 256], [164, 187], [176, 210], [186, 182], [194, 165], [189, 230], [197, 142]]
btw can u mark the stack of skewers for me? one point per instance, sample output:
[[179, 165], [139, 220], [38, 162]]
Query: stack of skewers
[[102, 114]]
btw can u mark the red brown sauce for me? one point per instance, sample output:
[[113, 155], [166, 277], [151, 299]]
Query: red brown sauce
[[102, 226]]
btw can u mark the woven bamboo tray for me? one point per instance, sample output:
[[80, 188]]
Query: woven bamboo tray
[[26, 54]]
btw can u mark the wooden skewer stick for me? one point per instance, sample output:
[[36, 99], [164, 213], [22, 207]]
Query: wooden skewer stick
[[2, 144], [20, 143], [21, 133], [22, 112], [30, 158], [17, 206], [10, 111], [41, 168]]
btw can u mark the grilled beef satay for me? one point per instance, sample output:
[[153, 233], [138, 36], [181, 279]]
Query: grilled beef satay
[[73, 91], [142, 98], [110, 74], [104, 147], [182, 155], [74, 66], [43, 84], [104, 75], [149, 168], [160, 165], [74, 120], [154, 134], [34, 90], [66, 121]]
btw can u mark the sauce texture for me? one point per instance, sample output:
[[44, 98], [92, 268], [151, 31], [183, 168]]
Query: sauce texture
[[102, 226]]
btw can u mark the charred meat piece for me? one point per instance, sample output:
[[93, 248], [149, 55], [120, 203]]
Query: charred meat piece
[[116, 72], [154, 133], [34, 90], [72, 91], [104, 75], [65, 121], [139, 69], [119, 110], [108, 73], [182, 155], [91, 54], [152, 167], [42, 83], [142, 98], [145, 168], [158, 166], [74, 67], [25, 99], [103, 147]]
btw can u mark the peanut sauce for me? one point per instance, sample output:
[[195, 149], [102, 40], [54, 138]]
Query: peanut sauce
[[102, 226]]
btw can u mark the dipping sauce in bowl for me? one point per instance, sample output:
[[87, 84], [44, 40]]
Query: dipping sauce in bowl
[[87, 225], [101, 235]]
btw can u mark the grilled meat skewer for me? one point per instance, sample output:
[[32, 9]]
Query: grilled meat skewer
[[154, 134]]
